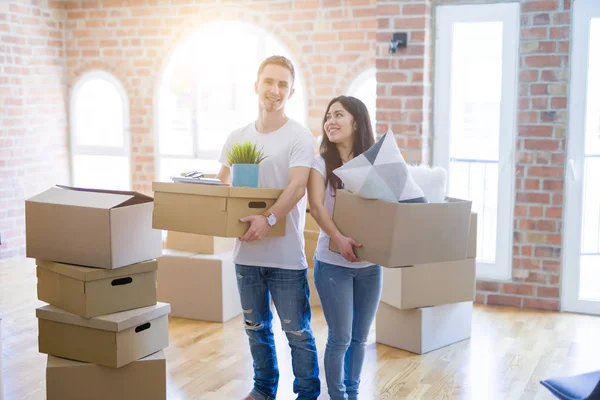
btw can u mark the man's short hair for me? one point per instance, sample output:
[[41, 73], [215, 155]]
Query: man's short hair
[[277, 60]]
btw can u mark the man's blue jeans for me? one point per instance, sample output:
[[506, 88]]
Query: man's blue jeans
[[290, 292], [350, 297]]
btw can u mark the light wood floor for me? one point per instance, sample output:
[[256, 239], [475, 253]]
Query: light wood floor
[[509, 352]]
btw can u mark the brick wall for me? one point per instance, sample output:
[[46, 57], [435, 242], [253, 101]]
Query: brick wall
[[540, 144], [33, 119], [333, 41]]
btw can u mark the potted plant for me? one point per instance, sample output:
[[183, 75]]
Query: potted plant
[[244, 159]]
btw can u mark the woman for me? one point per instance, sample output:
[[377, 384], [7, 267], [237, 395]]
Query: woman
[[349, 288]]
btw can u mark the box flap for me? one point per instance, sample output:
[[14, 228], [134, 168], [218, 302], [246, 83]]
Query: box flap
[[191, 188], [81, 198], [87, 274], [116, 322], [136, 197]]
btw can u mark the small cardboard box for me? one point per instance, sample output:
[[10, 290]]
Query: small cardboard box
[[90, 292], [421, 330], [142, 379], [199, 286], [111, 340], [310, 247], [403, 234], [473, 233], [92, 228], [426, 285], [202, 244], [211, 210]]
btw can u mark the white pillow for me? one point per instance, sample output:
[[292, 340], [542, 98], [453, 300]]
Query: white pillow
[[381, 173], [432, 180]]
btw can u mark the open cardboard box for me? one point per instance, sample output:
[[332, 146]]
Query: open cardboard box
[[403, 234], [142, 379], [111, 340], [211, 210], [91, 227], [90, 292]]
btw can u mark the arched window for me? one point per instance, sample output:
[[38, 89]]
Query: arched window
[[206, 91], [364, 88], [99, 125]]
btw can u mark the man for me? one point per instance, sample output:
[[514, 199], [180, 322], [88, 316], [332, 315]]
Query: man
[[276, 266]]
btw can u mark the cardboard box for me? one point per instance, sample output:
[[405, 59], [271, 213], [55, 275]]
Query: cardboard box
[[199, 243], [310, 247], [403, 234], [93, 228], [199, 286], [211, 210], [310, 224], [111, 340], [143, 379], [426, 285], [314, 299], [421, 330], [90, 292], [472, 247]]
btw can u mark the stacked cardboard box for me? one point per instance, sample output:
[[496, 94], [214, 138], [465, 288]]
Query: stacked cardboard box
[[428, 306], [103, 329], [311, 236], [196, 275], [428, 251]]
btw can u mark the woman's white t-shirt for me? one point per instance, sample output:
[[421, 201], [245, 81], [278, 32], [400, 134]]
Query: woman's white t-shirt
[[323, 254]]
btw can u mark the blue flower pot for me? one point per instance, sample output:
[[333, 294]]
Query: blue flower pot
[[245, 175]]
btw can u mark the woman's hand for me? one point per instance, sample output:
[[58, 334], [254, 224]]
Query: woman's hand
[[346, 246]]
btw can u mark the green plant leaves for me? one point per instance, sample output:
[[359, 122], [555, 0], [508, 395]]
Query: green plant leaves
[[245, 153]]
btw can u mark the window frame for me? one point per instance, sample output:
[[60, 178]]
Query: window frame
[[509, 14]]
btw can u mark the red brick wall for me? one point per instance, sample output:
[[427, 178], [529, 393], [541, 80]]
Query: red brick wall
[[33, 118], [332, 41], [540, 145]]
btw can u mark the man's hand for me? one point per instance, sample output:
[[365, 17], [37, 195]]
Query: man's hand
[[258, 228]]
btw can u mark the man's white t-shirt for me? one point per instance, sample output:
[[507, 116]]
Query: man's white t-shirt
[[289, 146], [323, 253]]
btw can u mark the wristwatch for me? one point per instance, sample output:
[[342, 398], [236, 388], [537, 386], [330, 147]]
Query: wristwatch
[[271, 218]]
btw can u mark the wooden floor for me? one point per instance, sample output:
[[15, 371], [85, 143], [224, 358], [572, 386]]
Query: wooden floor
[[509, 352]]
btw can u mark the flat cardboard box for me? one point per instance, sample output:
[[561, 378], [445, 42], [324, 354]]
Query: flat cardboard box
[[314, 299], [211, 210], [91, 292], [426, 285], [202, 244], [421, 330], [199, 286], [142, 379], [93, 228], [403, 234], [111, 340]]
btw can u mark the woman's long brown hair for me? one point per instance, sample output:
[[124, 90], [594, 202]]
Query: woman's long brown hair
[[363, 137]]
